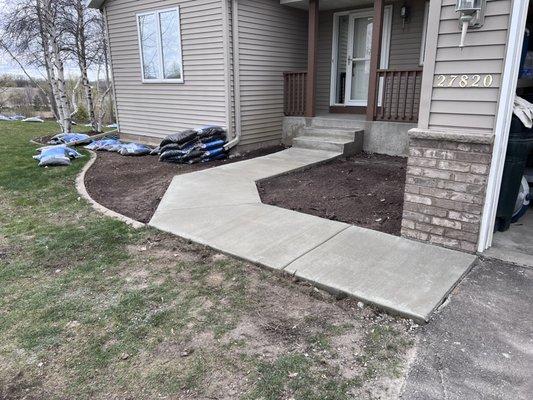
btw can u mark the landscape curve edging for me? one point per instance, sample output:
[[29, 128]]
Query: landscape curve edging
[[82, 190]]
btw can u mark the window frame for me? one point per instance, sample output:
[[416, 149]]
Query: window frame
[[157, 14]]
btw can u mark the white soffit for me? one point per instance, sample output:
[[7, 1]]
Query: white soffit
[[326, 4]]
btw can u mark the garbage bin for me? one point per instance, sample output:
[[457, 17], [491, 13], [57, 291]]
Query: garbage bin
[[518, 148]]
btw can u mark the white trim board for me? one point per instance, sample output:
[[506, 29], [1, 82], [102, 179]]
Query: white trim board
[[517, 26], [385, 45]]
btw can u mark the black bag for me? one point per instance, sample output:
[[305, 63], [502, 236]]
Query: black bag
[[210, 130], [180, 137], [171, 154], [216, 136]]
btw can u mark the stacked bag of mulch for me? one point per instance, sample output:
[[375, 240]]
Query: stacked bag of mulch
[[66, 138], [55, 155], [115, 145], [193, 146]]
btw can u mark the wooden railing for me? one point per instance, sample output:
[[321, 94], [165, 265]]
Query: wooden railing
[[294, 93], [398, 95]]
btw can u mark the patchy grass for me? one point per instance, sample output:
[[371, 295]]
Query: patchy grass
[[93, 309]]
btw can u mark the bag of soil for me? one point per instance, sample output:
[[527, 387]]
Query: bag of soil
[[214, 152], [210, 130], [172, 155], [134, 149], [213, 144], [180, 137], [177, 146], [65, 138], [211, 138], [193, 154], [103, 144], [56, 156], [218, 157]]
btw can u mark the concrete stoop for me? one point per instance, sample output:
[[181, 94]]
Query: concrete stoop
[[343, 140], [221, 208]]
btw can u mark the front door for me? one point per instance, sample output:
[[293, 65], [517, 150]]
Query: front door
[[351, 58], [358, 59]]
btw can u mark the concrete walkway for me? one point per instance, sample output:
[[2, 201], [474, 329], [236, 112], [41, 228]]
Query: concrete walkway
[[221, 208]]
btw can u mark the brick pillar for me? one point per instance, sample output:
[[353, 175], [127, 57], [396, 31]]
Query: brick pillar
[[445, 188]]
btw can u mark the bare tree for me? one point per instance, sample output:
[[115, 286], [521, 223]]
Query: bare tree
[[33, 35], [82, 41]]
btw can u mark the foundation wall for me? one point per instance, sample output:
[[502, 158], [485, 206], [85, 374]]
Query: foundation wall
[[390, 138]]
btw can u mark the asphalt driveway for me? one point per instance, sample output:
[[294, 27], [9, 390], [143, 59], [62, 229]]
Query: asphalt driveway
[[480, 346]]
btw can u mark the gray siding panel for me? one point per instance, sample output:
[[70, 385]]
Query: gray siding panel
[[157, 109], [272, 40], [407, 40], [484, 54]]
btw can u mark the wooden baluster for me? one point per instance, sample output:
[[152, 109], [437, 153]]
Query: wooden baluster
[[297, 94], [404, 98], [303, 78], [398, 96], [414, 92], [293, 97]]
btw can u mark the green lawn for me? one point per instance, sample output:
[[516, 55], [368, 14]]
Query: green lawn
[[91, 308]]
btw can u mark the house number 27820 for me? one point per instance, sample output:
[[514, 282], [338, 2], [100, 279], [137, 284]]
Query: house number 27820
[[465, 80]]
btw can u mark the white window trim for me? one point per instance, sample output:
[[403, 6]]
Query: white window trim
[[385, 47], [159, 45], [424, 34]]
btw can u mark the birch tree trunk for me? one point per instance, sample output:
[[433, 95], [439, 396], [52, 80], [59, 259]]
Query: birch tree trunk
[[51, 45], [81, 48]]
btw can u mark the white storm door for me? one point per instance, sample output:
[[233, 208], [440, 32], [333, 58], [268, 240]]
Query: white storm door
[[358, 59]]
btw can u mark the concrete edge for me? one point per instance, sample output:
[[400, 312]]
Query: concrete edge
[[451, 136], [443, 300], [82, 190]]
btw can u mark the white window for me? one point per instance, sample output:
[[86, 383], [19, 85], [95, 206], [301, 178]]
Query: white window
[[160, 46]]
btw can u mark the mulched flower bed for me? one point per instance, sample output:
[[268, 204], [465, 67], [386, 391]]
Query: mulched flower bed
[[364, 190], [134, 186]]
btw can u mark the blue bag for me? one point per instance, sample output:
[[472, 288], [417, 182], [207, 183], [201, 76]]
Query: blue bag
[[134, 149], [56, 155]]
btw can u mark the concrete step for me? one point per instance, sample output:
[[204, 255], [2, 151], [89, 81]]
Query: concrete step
[[345, 146], [332, 123], [343, 133]]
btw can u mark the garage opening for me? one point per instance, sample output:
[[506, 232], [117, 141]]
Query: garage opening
[[513, 230]]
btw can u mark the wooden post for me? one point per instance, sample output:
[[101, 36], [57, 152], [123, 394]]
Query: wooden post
[[312, 48], [375, 58]]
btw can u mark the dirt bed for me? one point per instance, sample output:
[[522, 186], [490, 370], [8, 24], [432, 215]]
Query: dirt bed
[[134, 186], [364, 190]]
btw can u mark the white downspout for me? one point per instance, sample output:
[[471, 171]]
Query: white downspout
[[236, 75], [517, 26]]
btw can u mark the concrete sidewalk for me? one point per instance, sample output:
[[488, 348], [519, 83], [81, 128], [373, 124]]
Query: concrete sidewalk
[[221, 208]]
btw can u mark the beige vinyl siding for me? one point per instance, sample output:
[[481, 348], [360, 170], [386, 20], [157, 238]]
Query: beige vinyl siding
[[473, 109], [272, 40], [157, 109], [404, 45], [406, 40]]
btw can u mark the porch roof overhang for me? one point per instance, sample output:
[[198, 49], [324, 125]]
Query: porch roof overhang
[[325, 4], [95, 3]]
